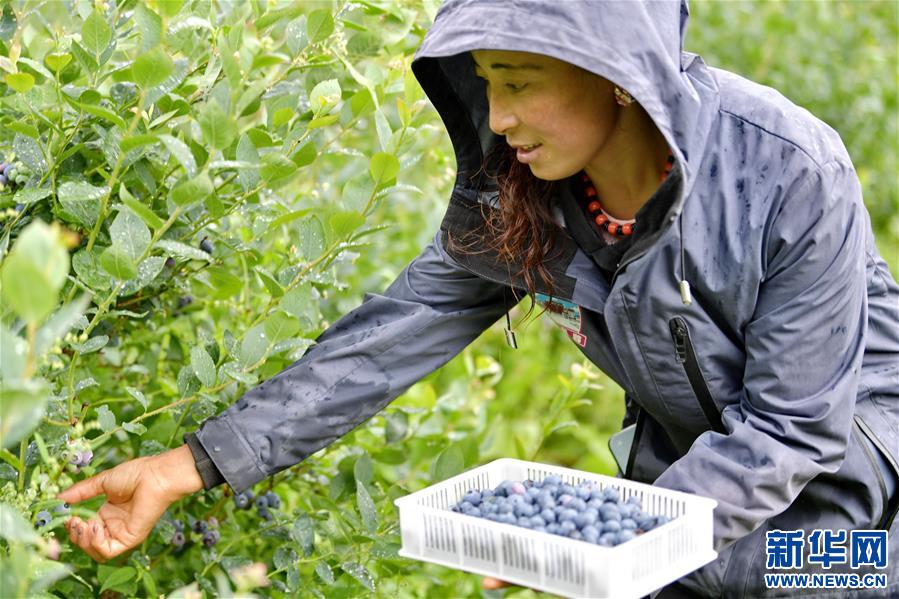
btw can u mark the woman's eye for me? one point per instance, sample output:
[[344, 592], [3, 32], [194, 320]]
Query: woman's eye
[[516, 88]]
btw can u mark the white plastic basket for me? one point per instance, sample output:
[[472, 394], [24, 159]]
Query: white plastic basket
[[431, 532]]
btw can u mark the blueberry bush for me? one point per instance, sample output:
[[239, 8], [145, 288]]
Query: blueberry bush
[[190, 191]]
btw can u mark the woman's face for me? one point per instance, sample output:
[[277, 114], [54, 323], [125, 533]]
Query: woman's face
[[568, 113]]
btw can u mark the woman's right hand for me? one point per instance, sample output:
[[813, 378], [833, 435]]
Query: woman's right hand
[[137, 493]]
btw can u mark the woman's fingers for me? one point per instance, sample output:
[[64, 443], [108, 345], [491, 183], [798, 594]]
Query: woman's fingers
[[85, 489], [80, 533], [494, 583]]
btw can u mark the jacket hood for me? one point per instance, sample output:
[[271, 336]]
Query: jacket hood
[[636, 45]]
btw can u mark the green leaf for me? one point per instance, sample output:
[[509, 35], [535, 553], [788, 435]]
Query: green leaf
[[359, 572], [135, 141], [323, 121], [287, 218], [324, 96], [224, 282], [58, 61], [152, 68], [203, 367], [253, 346], [274, 288], [169, 8], [14, 528], [305, 155], [344, 223], [30, 195], [182, 250], [118, 577], [28, 150], [91, 345], [105, 418], [384, 167], [363, 469], [149, 24], [95, 34], [449, 463], [14, 350], [275, 16], [366, 507], [129, 233], [320, 25], [24, 128], [296, 36], [395, 426], [147, 270], [312, 238], [20, 82], [181, 153], [118, 262], [246, 152], [303, 533], [35, 271], [135, 428], [284, 557], [193, 190], [138, 395], [144, 212], [59, 324], [83, 56], [324, 572], [103, 113], [87, 266], [217, 126], [22, 406], [276, 170], [81, 200]]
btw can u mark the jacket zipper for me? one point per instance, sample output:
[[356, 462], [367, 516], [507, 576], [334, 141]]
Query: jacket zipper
[[686, 356], [889, 512]]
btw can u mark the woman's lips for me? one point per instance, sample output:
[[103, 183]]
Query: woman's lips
[[527, 154]]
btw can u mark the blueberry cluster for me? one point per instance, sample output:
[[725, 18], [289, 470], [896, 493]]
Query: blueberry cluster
[[208, 528], [583, 512], [78, 459], [263, 503], [13, 174]]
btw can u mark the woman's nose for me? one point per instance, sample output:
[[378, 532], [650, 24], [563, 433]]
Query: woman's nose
[[502, 119]]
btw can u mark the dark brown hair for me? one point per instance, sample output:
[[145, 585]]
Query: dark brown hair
[[521, 231]]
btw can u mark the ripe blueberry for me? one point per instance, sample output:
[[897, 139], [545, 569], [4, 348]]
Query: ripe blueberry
[[264, 514], [206, 245], [211, 537], [43, 518], [274, 501]]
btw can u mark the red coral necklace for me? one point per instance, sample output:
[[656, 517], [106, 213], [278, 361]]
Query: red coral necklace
[[607, 222]]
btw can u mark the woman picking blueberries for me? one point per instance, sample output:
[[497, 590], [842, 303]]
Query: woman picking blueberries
[[702, 240]]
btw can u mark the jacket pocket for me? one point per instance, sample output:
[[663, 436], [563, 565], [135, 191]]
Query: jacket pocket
[[686, 356], [890, 505]]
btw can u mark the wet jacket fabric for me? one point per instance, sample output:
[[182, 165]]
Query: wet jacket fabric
[[774, 392]]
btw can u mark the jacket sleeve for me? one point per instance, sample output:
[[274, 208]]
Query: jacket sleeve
[[804, 347], [358, 365]]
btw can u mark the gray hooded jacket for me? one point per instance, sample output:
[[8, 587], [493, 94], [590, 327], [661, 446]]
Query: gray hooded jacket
[[775, 392]]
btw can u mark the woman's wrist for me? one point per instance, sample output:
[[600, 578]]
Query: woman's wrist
[[179, 470]]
